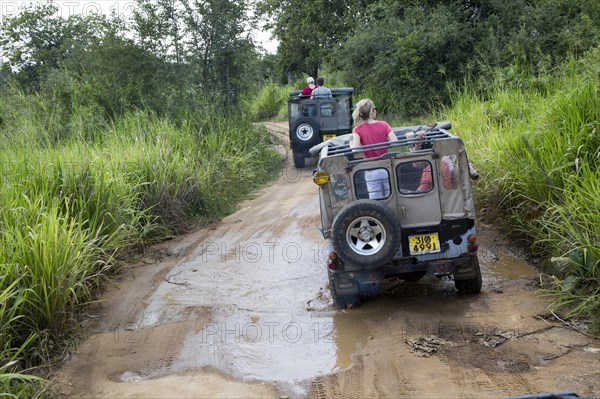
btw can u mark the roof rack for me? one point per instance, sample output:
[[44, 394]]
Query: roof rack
[[334, 92], [430, 137]]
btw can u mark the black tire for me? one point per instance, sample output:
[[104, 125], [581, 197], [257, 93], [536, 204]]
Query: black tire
[[412, 276], [305, 133], [342, 301], [365, 233], [471, 285], [299, 160]]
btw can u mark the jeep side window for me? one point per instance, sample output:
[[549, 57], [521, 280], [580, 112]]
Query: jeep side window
[[450, 172], [414, 177], [372, 184], [294, 111], [327, 109]]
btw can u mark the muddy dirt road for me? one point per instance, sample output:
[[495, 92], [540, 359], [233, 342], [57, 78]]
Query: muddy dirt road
[[241, 309]]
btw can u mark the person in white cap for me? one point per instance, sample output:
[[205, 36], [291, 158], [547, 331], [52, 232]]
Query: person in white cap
[[307, 91]]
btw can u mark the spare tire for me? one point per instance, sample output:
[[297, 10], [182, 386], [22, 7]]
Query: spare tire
[[366, 233], [305, 133]]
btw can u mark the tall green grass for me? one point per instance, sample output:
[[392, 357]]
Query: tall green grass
[[73, 202], [537, 147], [271, 102]]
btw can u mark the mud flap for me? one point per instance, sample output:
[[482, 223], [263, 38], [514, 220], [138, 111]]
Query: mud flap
[[465, 270], [349, 282], [345, 284], [370, 283]]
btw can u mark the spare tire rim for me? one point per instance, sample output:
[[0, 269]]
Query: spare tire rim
[[366, 236], [304, 132]]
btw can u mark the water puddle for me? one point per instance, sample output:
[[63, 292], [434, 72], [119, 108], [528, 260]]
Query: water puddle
[[268, 316], [506, 268]]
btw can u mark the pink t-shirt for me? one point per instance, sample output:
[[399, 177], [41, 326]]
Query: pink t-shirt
[[373, 133], [426, 180]]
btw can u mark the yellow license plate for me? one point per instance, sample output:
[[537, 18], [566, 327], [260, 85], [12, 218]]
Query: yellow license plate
[[328, 136], [424, 244]]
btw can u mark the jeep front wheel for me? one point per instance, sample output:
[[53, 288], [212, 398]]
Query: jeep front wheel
[[365, 233], [305, 133]]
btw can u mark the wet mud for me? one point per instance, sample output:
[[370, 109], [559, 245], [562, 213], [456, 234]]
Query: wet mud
[[242, 309]]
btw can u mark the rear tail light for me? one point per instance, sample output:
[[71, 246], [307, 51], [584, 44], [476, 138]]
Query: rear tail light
[[332, 261], [472, 246]]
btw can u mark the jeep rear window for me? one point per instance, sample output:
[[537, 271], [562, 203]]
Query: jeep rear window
[[414, 177], [372, 184]]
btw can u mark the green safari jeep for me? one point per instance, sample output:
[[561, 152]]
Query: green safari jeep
[[314, 121]]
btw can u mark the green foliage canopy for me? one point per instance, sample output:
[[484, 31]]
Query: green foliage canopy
[[308, 31], [408, 56]]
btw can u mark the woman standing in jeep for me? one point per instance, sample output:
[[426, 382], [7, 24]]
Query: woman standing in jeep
[[367, 131]]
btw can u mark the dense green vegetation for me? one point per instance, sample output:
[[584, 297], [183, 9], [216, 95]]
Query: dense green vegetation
[[537, 145], [409, 56], [115, 134]]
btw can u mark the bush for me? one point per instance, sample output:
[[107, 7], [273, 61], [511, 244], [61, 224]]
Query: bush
[[271, 102]]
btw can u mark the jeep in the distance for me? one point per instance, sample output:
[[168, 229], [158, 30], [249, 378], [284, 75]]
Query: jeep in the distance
[[412, 228], [314, 121]]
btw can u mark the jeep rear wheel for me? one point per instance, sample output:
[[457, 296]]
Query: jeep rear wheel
[[305, 133], [365, 233], [299, 160], [470, 285]]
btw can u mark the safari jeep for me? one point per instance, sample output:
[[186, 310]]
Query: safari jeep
[[314, 121], [411, 228]]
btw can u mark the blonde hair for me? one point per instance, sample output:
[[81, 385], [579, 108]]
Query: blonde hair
[[363, 111]]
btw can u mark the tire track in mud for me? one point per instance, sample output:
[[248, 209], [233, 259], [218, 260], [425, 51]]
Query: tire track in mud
[[474, 382], [378, 378], [344, 384], [389, 382], [171, 341], [124, 307]]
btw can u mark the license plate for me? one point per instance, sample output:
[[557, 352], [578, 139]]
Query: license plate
[[424, 244], [328, 136]]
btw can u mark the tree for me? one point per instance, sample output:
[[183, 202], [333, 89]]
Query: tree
[[308, 31], [211, 37], [404, 55], [157, 24], [37, 40]]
